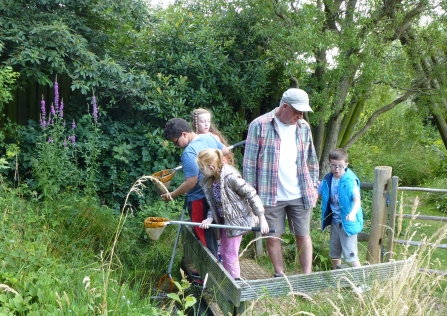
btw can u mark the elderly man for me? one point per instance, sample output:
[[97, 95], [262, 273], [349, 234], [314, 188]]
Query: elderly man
[[280, 162]]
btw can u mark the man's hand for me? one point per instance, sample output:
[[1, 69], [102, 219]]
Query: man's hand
[[206, 222]]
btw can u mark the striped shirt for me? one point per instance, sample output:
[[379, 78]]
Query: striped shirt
[[261, 159]]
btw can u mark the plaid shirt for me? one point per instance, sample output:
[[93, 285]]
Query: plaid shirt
[[261, 160]]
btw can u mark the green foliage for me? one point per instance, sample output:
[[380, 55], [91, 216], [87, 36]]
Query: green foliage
[[7, 79], [414, 151], [83, 39], [211, 65], [55, 257], [111, 155], [55, 165], [436, 201], [184, 300]]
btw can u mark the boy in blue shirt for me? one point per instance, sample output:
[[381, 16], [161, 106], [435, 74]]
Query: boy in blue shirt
[[340, 208], [180, 133]]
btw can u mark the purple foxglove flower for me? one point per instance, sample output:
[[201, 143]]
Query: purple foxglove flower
[[50, 140], [73, 139], [61, 109], [65, 142], [53, 111], [73, 125], [56, 95], [95, 109]]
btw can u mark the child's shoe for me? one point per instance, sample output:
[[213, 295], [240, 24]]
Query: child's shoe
[[195, 274], [198, 283]]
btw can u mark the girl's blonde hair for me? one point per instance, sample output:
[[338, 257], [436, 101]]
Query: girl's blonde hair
[[213, 130], [211, 157]]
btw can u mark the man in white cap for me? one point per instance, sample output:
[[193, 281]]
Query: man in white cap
[[280, 162]]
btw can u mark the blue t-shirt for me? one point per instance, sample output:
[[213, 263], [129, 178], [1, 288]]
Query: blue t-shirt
[[189, 163]]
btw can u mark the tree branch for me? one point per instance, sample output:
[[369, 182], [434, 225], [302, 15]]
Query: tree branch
[[406, 24], [376, 114]]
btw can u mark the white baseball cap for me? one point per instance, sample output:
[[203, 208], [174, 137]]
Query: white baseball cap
[[298, 99]]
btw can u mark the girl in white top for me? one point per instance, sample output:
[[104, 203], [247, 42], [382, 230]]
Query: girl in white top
[[201, 124]]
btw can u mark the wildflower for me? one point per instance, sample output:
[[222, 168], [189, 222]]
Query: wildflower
[[73, 125], [43, 123], [50, 140], [56, 95], [42, 107], [95, 109], [61, 109], [53, 111], [86, 281], [73, 139], [65, 142]]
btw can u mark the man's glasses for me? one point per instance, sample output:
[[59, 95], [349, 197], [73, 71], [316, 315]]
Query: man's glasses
[[176, 142], [335, 167]]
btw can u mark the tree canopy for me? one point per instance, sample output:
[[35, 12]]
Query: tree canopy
[[237, 57]]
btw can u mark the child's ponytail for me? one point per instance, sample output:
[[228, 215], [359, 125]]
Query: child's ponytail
[[219, 160]]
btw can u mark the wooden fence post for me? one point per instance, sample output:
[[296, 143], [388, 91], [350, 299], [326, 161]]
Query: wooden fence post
[[392, 219], [382, 176]]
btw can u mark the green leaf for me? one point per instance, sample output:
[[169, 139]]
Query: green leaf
[[175, 297], [190, 301]]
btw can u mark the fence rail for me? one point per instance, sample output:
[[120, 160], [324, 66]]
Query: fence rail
[[392, 215], [424, 217], [419, 243]]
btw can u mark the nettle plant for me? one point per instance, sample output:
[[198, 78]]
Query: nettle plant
[[56, 167]]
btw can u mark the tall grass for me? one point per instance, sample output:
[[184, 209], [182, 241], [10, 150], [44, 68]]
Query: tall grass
[[56, 258], [414, 291]]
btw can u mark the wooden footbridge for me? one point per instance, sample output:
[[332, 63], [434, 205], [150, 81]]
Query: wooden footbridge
[[232, 296]]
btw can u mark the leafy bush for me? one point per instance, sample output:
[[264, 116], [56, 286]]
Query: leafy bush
[[436, 200], [414, 151], [56, 257], [96, 154]]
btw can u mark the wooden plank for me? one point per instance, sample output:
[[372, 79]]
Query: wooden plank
[[229, 293], [392, 218], [418, 243], [366, 185], [424, 217], [379, 213], [363, 237]]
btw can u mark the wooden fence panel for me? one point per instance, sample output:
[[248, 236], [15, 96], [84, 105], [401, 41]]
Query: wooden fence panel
[[26, 100]]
